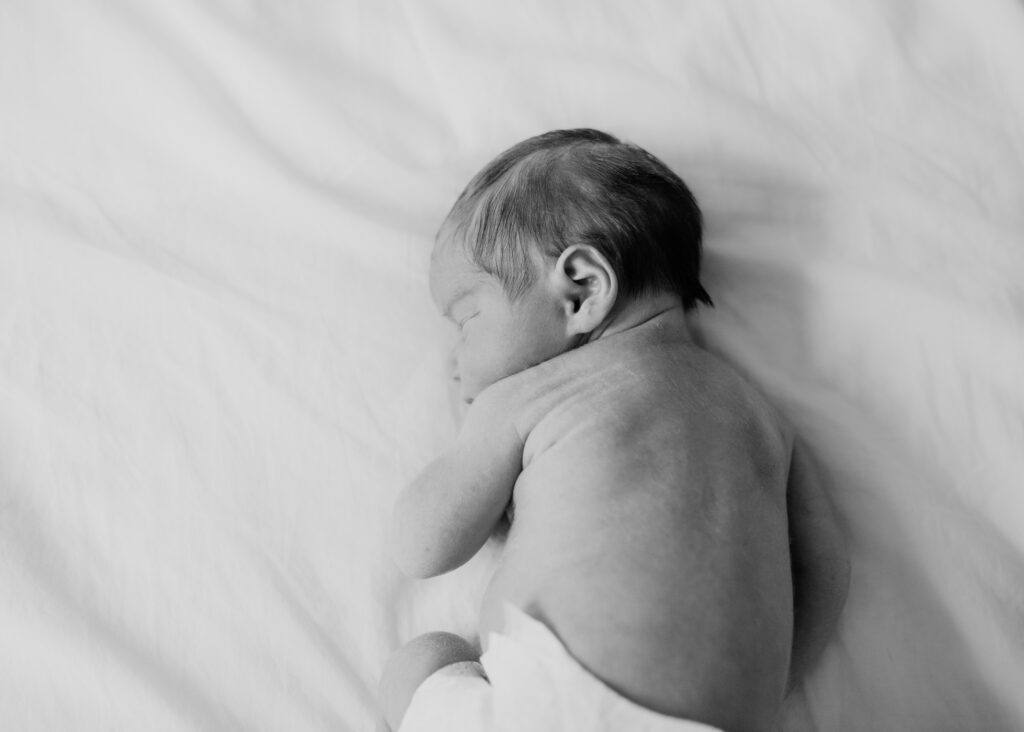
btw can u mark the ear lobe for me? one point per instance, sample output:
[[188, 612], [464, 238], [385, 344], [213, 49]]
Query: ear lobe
[[588, 286]]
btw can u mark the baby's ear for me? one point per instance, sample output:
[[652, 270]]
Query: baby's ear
[[587, 285]]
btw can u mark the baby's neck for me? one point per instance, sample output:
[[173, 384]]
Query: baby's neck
[[636, 311]]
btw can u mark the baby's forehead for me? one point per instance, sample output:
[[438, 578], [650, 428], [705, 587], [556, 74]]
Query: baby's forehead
[[453, 274]]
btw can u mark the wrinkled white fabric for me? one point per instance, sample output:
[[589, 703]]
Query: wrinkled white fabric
[[534, 685], [219, 360]]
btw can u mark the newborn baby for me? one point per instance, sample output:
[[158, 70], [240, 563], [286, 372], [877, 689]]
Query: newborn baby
[[647, 578]]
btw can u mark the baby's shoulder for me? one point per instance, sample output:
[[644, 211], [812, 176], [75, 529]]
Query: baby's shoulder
[[745, 410], [521, 398], [584, 378], [709, 393]]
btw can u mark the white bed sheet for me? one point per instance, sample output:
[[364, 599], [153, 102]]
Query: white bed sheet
[[219, 360]]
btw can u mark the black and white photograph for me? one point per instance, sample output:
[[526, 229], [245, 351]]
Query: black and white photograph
[[545, 366]]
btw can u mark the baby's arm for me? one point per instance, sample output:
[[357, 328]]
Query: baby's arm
[[820, 565], [447, 513]]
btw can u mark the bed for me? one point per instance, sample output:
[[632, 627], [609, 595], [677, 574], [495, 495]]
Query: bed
[[219, 360]]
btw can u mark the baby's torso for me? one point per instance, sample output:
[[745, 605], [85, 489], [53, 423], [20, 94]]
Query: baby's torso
[[649, 530]]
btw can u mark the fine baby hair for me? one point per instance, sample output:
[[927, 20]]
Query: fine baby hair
[[582, 186]]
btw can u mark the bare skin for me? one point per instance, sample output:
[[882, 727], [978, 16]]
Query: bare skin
[[651, 487]]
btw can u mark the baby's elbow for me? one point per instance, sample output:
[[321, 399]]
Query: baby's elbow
[[413, 569], [418, 560], [411, 554], [412, 562]]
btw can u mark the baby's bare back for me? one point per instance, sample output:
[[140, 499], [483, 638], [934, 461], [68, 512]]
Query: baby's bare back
[[650, 527]]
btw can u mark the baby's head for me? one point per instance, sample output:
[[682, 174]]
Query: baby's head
[[551, 240]]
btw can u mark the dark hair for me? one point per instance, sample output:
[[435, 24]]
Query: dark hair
[[582, 187]]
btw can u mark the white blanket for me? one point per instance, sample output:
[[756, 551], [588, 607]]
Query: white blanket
[[219, 360]]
